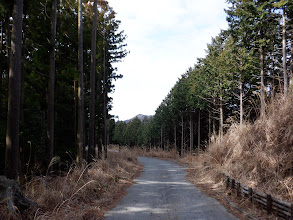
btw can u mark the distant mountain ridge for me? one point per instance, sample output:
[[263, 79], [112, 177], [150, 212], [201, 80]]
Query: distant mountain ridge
[[141, 117]]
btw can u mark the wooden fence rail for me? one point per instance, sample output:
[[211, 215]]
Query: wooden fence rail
[[264, 201]]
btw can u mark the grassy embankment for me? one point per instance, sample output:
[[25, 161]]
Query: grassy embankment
[[259, 155]]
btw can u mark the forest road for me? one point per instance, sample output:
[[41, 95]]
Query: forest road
[[161, 192]]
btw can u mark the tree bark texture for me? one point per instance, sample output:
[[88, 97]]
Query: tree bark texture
[[241, 102], [284, 54], [214, 119], [191, 131], [221, 118], [182, 136], [51, 86], [91, 151], [262, 86], [105, 105], [210, 129], [175, 136], [80, 132], [12, 160], [198, 134], [8, 36]]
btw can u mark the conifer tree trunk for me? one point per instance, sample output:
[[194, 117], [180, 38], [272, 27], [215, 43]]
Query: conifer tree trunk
[[1, 39], [8, 36], [241, 102], [74, 111], [214, 119], [198, 134], [91, 151], [182, 135], [12, 160], [99, 138], [291, 63], [221, 118], [51, 87], [80, 132], [284, 54], [191, 131], [105, 103], [209, 136], [175, 137], [161, 137], [262, 86]]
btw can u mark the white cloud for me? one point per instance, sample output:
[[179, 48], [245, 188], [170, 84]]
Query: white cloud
[[165, 38]]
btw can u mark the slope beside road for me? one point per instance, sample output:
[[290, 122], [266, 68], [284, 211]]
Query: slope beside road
[[162, 192]]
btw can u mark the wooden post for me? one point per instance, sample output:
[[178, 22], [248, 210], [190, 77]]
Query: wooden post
[[227, 182], [291, 218], [238, 192], [233, 184], [269, 204], [250, 194]]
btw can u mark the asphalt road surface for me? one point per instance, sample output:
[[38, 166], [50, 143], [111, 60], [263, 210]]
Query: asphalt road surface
[[162, 192]]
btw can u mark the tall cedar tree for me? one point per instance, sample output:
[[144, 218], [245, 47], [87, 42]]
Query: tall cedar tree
[[51, 86], [91, 151], [81, 119], [12, 160]]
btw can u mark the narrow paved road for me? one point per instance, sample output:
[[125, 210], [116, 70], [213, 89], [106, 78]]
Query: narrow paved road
[[162, 192]]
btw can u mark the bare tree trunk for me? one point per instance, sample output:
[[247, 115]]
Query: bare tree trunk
[[241, 102], [191, 132], [161, 137], [80, 132], [99, 139], [262, 86], [12, 160], [214, 120], [74, 111], [1, 39], [51, 86], [210, 129], [284, 54], [91, 151], [182, 136], [8, 36], [198, 134], [221, 118], [291, 63], [1, 69], [175, 137], [105, 103]]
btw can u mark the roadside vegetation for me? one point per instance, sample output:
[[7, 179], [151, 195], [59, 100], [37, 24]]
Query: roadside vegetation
[[79, 193]]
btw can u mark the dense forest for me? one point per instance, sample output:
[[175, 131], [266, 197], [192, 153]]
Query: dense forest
[[244, 68], [57, 72], [56, 66]]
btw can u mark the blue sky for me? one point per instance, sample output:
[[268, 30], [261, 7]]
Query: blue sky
[[165, 38]]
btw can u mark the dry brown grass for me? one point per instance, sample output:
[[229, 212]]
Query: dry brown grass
[[81, 193], [259, 155]]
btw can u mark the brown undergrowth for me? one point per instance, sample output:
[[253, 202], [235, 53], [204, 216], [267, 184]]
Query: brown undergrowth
[[258, 155], [81, 193]]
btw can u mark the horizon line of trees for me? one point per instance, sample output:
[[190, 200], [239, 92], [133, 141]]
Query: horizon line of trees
[[244, 68], [56, 66]]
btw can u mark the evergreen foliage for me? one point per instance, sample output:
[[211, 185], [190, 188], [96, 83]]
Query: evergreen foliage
[[241, 72], [110, 48]]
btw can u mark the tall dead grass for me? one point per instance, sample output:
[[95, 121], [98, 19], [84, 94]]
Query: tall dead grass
[[259, 155], [82, 193]]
